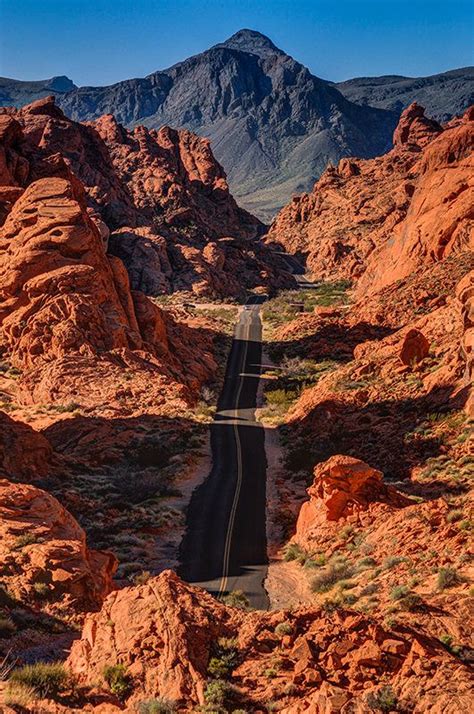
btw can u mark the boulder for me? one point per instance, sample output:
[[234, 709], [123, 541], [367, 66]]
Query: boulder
[[24, 453], [415, 348], [43, 553]]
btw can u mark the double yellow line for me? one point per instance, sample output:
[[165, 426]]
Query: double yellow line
[[230, 527]]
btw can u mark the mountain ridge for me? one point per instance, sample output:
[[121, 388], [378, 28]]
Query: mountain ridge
[[273, 125]]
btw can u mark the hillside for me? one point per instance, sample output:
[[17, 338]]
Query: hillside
[[272, 124], [443, 95]]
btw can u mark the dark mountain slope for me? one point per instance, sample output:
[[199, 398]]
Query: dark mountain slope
[[443, 95], [272, 124], [15, 93]]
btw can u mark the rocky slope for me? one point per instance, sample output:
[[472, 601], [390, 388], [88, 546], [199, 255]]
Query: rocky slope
[[444, 95], [272, 124], [383, 435], [17, 93], [376, 221], [162, 196], [319, 662]]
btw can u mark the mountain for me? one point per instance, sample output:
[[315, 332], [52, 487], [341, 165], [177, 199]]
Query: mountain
[[272, 124], [443, 95], [16, 93], [163, 201]]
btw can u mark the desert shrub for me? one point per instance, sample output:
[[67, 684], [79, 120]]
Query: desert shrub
[[236, 598], [367, 562], [118, 679], [156, 706], [316, 561], [293, 551], [63, 408], [331, 604], [41, 589], [346, 532], [46, 679], [283, 628], [141, 578], [19, 695], [383, 700], [448, 578], [217, 692], [370, 589], [446, 640], [280, 397], [7, 626], [392, 561], [453, 516], [399, 592], [224, 657], [333, 573], [411, 602], [25, 539]]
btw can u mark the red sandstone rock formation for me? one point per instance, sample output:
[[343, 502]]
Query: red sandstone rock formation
[[43, 553], [343, 488], [380, 219], [66, 308], [415, 348], [162, 185], [164, 633], [24, 453], [465, 296]]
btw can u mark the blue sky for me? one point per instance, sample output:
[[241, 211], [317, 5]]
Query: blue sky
[[100, 42]]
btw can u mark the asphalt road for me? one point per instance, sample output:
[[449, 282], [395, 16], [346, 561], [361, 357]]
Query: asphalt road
[[225, 546]]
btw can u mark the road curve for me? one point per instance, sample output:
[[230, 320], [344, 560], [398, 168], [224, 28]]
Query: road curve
[[225, 546]]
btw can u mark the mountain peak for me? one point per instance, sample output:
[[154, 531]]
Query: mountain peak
[[251, 41]]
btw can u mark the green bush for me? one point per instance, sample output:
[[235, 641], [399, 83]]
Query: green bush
[[392, 561], [448, 578], [293, 551], [119, 681], [333, 573], [41, 589], [47, 679], [19, 696], [7, 626], [156, 706], [236, 598], [367, 562], [25, 539], [399, 592], [217, 692], [383, 700], [224, 657], [283, 628]]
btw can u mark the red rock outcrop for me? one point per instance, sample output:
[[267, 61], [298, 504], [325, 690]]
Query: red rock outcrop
[[415, 348], [43, 553], [465, 296], [440, 220], [165, 631], [24, 453], [380, 219], [343, 488], [66, 308], [164, 185]]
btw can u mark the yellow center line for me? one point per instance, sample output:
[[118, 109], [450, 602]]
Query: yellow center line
[[238, 445]]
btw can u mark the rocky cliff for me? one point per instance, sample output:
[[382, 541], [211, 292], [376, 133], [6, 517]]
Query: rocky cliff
[[272, 124], [444, 95], [376, 221], [161, 195]]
